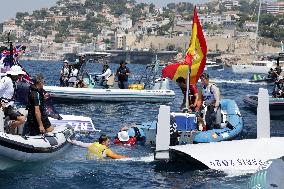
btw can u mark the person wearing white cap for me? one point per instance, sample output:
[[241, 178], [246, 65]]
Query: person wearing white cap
[[64, 74], [7, 90]]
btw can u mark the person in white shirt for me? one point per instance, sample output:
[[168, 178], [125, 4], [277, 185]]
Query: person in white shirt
[[64, 74], [7, 90], [211, 98], [106, 75], [72, 76]]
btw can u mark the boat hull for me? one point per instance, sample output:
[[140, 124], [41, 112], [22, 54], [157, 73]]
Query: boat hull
[[16, 149], [109, 95], [242, 69], [276, 105], [236, 155]]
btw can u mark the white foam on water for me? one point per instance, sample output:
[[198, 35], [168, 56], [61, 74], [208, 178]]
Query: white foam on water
[[235, 173], [240, 81], [146, 159]]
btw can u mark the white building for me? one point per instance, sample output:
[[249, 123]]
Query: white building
[[275, 8], [124, 22]]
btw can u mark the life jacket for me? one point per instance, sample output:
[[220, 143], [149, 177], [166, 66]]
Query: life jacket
[[96, 150], [207, 94]]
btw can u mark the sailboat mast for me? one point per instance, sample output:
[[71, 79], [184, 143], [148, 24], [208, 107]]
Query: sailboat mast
[[256, 36]]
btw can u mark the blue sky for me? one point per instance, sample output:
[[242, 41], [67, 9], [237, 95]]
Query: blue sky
[[9, 8]]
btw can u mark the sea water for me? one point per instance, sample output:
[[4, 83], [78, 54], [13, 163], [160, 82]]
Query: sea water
[[72, 170]]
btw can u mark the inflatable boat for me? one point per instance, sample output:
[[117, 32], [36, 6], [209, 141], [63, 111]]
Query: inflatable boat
[[160, 92], [16, 149], [184, 127]]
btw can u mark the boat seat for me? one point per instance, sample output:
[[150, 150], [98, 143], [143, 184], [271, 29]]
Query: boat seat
[[110, 81]]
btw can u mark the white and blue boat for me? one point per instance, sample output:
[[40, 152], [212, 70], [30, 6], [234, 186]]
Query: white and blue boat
[[184, 128]]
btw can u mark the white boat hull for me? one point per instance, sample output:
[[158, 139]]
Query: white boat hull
[[16, 149], [240, 155], [111, 95], [242, 69]]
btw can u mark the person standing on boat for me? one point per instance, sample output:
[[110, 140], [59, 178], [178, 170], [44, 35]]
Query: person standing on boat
[[122, 74], [7, 92], [105, 76], [64, 74], [37, 120], [99, 149], [193, 96], [278, 88], [211, 98], [72, 76]]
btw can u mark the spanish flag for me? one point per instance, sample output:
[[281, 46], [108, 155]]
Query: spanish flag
[[195, 56]]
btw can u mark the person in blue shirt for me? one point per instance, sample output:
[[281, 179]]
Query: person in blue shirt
[[122, 74]]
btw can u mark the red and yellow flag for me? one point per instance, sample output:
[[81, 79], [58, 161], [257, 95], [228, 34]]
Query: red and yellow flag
[[195, 56]]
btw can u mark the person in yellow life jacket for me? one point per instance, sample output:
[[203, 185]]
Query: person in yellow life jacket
[[99, 149]]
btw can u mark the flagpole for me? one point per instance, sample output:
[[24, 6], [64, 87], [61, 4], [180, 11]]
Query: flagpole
[[187, 88]]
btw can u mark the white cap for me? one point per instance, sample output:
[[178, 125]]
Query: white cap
[[15, 70], [65, 61], [123, 136]]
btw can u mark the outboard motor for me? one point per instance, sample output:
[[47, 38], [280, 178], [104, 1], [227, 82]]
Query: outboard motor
[[161, 84]]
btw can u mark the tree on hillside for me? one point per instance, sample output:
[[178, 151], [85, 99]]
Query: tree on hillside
[[244, 6], [171, 6], [21, 15], [267, 19], [40, 14]]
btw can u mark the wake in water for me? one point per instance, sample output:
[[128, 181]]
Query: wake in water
[[240, 81], [146, 159]]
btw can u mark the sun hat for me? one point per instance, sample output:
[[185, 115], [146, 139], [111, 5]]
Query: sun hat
[[123, 136], [15, 70], [65, 61]]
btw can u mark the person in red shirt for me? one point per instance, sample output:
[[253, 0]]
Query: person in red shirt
[[194, 100], [124, 139]]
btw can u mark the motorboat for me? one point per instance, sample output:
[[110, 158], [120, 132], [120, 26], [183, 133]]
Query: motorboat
[[258, 66], [150, 87], [184, 127], [276, 105], [259, 78], [213, 65], [18, 149], [238, 156], [158, 93]]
